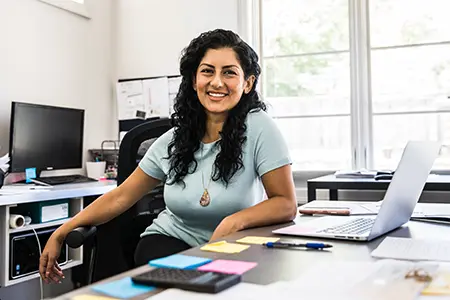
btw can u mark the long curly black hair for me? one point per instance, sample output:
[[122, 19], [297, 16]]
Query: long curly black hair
[[189, 117]]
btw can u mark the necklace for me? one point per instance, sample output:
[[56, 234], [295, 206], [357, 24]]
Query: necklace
[[206, 198]]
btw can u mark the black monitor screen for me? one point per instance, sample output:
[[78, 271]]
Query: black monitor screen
[[45, 137]]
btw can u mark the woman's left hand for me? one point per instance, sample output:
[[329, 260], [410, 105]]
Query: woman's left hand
[[228, 226]]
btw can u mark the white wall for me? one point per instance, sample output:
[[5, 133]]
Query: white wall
[[151, 33], [51, 56]]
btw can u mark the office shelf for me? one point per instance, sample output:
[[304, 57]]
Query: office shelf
[[76, 194], [38, 226], [75, 256], [68, 265]]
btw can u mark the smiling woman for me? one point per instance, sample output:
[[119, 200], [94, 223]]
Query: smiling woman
[[220, 82], [221, 156]]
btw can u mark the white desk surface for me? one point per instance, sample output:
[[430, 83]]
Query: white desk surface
[[61, 191]]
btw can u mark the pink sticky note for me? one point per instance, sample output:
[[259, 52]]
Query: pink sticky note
[[228, 266]]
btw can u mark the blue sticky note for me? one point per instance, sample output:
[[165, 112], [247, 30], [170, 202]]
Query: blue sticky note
[[179, 261], [124, 288], [30, 173]]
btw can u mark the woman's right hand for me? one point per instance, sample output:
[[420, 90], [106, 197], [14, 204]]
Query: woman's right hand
[[48, 264]]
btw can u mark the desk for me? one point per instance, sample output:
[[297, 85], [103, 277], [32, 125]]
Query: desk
[[283, 264], [333, 184], [74, 192]]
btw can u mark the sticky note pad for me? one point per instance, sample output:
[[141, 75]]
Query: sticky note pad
[[439, 286], [228, 266], [90, 297], [123, 288], [179, 261], [224, 247], [259, 240], [30, 173]]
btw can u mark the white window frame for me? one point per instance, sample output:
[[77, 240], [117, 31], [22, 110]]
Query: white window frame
[[360, 85]]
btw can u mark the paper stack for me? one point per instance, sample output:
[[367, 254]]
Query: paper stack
[[355, 174], [413, 249]]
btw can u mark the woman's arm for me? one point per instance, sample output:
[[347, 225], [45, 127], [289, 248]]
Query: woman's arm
[[111, 204], [280, 207], [103, 209]]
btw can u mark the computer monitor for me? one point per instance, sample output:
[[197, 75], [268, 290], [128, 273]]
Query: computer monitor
[[45, 137]]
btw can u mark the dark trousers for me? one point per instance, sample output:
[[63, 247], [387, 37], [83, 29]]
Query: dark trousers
[[156, 246]]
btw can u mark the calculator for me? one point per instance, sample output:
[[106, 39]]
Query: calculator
[[188, 279]]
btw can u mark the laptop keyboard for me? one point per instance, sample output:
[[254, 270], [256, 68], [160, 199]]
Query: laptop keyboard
[[356, 226]]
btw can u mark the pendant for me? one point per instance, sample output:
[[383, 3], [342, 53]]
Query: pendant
[[205, 199]]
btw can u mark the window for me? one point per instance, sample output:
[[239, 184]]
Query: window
[[349, 82], [306, 79], [410, 52]]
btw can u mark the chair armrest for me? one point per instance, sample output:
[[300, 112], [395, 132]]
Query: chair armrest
[[80, 235]]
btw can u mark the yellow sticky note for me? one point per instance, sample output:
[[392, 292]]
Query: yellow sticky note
[[259, 240], [224, 247], [91, 297], [439, 286]]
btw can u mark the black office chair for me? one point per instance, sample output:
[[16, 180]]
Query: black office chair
[[2, 177], [112, 245]]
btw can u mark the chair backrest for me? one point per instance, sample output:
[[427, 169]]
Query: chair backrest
[[118, 238], [132, 142]]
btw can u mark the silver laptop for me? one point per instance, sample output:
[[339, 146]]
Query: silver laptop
[[396, 209]]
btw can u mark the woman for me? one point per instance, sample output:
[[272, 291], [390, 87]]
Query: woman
[[221, 154]]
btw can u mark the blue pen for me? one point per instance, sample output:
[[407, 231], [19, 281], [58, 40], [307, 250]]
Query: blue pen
[[296, 245]]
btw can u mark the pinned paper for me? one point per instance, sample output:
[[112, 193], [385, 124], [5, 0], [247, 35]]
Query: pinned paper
[[179, 261], [228, 266], [258, 240], [90, 297], [224, 247]]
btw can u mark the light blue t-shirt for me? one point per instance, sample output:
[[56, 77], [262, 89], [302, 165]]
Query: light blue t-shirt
[[184, 218]]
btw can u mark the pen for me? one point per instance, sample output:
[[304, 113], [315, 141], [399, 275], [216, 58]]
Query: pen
[[295, 245]]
